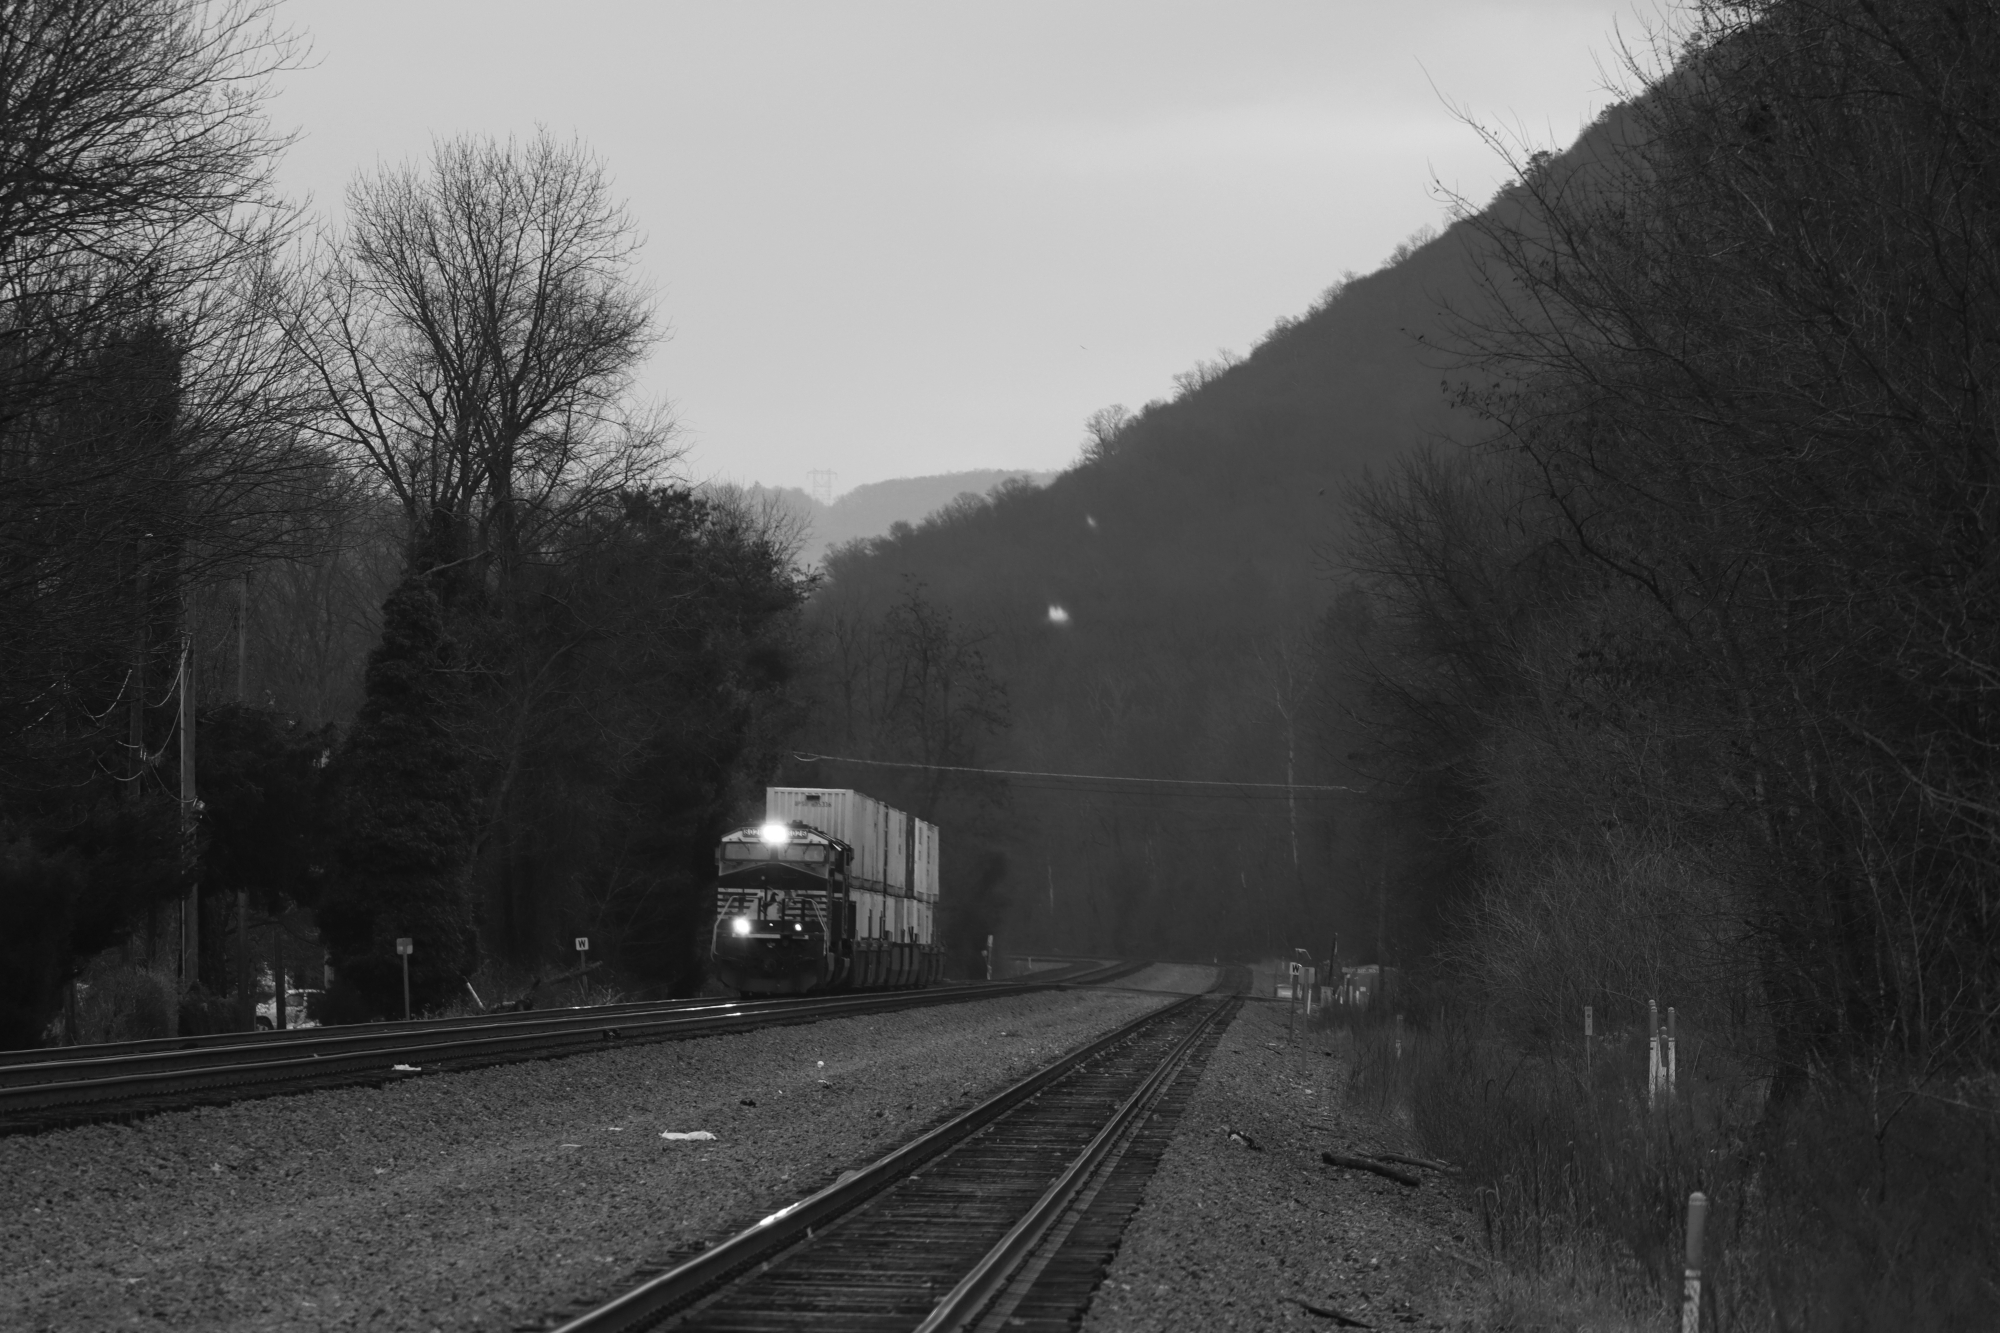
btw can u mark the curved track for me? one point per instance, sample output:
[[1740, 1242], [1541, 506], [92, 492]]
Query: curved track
[[1001, 1218], [42, 1090]]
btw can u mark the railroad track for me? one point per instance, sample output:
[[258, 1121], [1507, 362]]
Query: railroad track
[[1003, 1218], [40, 1090]]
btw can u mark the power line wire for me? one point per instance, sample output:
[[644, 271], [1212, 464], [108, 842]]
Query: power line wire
[[1278, 789]]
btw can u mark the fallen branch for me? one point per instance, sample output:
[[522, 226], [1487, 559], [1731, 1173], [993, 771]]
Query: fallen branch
[[1368, 1164], [1325, 1312], [1414, 1161]]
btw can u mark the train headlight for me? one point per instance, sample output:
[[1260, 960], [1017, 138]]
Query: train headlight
[[740, 926], [775, 835]]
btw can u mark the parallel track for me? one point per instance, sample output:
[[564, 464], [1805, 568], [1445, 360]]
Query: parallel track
[[1002, 1218], [40, 1090]]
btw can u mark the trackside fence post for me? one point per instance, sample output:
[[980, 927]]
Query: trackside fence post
[[1697, 1220], [1652, 1053]]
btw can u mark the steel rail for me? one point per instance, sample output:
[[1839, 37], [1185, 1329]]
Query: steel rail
[[1081, 970], [966, 1301], [758, 1245], [113, 1087]]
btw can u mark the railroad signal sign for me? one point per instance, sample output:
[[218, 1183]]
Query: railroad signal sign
[[406, 946], [583, 944]]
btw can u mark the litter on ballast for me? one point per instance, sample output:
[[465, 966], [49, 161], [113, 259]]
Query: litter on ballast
[[407, 1069], [692, 1134]]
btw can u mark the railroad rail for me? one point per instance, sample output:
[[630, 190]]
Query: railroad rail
[[43, 1090], [1004, 1217]]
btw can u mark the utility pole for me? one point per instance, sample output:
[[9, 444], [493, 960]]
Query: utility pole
[[246, 998], [190, 809], [135, 726]]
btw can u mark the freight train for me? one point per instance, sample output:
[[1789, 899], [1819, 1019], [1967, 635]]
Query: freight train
[[833, 891]]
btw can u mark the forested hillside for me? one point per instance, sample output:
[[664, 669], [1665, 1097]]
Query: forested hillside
[[1663, 666], [1187, 552], [872, 509]]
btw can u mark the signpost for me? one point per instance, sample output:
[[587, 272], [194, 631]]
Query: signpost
[[583, 962], [1691, 1279], [405, 946]]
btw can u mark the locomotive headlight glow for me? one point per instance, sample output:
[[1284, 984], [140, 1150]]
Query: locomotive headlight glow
[[775, 835], [740, 926]]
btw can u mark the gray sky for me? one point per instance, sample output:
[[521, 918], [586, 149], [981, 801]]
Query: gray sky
[[902, 238]]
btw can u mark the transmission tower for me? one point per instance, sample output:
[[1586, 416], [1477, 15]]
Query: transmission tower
[[822, 484]]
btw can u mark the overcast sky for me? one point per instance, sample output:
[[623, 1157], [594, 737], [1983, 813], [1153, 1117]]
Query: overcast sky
[[900, 238]]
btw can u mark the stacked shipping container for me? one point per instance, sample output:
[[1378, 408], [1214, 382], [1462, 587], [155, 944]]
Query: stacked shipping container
[[894, 853]]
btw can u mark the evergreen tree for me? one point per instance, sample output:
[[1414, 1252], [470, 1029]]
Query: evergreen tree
[[408, 792]]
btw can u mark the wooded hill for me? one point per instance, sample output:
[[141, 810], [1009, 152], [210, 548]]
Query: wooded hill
[[873, 508], [1187, 550], [1667, 672]]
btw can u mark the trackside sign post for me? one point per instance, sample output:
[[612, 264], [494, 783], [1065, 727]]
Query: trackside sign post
[[583, 962], [405, 946]]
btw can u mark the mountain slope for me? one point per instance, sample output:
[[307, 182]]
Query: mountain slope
[[871, 510], [1186, 560]]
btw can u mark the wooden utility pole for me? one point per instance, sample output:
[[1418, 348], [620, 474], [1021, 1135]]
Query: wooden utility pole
[[135, 728], [135, 733], [191, 909]]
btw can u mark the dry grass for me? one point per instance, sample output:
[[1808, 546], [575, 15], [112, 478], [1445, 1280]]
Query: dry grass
[[1851, 1208]]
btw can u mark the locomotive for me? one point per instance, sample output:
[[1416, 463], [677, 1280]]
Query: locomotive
[[833, 891]]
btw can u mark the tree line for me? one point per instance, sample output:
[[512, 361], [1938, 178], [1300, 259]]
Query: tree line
[[460, 660], [1693, 654]]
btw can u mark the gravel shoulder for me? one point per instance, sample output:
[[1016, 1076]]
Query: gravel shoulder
[[482, 1199], [1234, 1237], [1172, 978]]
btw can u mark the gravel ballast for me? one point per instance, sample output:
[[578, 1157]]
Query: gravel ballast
[[479, 1200], [1231, 1236], [1172, 978]]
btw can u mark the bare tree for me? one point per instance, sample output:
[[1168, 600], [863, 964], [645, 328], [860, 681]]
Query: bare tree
[[474, 335], [145, 397]]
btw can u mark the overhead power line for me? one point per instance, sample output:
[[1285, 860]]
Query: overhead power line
[[1189, 786]]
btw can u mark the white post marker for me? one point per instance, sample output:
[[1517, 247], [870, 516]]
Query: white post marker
[[405, 946], [1652, 1052], [583, 962], [1672, 1038], [1691, 1282], [1589, 1024]]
